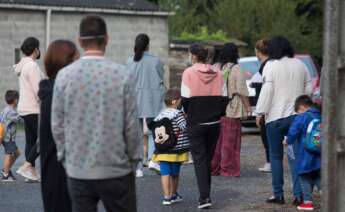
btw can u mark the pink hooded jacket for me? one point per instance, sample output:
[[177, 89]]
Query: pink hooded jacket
[[204, 95]]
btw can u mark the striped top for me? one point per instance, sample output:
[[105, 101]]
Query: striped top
[[179, 124]]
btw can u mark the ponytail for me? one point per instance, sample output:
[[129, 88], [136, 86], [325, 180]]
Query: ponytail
[[142, 41]]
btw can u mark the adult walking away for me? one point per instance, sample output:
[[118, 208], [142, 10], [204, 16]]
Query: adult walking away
[[148, 74], [204, 102], [30, 76], [261, 51], [226, 159], [95, 125], [54, 181], [285, 78]]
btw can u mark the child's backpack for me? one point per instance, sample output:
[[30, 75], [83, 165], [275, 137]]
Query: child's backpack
[[313, 140], [163, 134]]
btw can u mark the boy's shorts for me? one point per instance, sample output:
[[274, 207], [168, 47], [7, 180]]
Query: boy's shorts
[[10, 148], [170, 168]]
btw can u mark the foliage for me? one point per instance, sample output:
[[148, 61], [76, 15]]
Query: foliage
[[203, 35], [249, 20]]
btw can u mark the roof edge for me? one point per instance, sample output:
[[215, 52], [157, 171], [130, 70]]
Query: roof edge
[[86, 9]]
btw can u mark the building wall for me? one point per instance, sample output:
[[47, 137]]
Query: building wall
[[16, 25]]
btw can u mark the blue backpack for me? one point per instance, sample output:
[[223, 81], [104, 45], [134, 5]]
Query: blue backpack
[[314, 139]]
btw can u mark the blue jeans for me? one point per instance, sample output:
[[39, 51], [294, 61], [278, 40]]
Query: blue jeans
[[308, 181], [276, 131], [296, 183]]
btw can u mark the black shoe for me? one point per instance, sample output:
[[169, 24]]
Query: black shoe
[[276, 200], [205, 204], [297, 201]]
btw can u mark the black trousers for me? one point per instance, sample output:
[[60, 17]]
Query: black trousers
[[263, 133], [117, 195], [31, 131], [203, 140], [54, 180]]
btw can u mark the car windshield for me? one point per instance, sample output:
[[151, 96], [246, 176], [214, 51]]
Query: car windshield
[[251, 67]]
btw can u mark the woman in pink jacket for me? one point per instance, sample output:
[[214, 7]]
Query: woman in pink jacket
[[30, 76]]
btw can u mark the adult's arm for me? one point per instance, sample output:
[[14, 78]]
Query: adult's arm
[[34, 76], [308, 84], [185, 91], [58, 118], [131, 130]]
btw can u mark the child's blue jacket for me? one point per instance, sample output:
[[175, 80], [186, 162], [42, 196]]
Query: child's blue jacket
[[306, 161]]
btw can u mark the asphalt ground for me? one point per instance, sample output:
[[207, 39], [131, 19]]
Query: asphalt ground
[[245, 193]]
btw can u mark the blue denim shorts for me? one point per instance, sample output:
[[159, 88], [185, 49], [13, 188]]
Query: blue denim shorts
[[10, 147], [170, 168]]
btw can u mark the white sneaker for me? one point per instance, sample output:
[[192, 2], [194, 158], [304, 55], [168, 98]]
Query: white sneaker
[[28, 173], [139, 173], [266, 168], [154, 166]]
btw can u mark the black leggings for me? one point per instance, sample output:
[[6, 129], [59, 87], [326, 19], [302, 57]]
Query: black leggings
[[264, 139], [31, 130]]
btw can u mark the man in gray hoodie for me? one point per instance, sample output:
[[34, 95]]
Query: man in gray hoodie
[[95, 125]]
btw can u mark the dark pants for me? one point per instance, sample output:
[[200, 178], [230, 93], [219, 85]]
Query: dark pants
[[203, 140], [308, 181], [263, 133], [117, 195], [31, 131], [276, 131], [54, 181]]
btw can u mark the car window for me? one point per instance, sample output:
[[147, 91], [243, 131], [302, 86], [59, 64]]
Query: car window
[[307, 61], [250, 67]]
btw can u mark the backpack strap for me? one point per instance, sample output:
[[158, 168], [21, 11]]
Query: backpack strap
[[228, 76]]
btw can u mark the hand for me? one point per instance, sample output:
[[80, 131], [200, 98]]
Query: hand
[[285, 143], [249, 110], [258, 121]]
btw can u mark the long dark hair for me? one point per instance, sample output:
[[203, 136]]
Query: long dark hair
[[141, 43], [279, 47], [229, 54]]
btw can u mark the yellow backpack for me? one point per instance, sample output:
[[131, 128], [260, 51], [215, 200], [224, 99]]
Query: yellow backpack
[[2, 130]]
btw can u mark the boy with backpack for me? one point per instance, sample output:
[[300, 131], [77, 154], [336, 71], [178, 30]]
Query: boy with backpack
[[305, 130], [8, 126], [171, 145]]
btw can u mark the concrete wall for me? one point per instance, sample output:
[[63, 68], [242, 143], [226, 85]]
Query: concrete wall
[[16, 25]]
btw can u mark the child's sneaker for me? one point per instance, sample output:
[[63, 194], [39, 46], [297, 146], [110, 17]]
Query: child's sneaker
[[7, 177], [139, 173], [205, 204], [176, 198], [306, 207], [166, 201], [154, 166]]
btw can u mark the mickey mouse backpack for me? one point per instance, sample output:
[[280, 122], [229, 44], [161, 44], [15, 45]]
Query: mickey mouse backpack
[[314, 137], [163, 134]]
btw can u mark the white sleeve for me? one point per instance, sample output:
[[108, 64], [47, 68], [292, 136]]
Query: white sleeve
[[265, 99]]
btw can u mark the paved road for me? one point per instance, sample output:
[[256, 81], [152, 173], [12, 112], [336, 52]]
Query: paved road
[[246, 193]]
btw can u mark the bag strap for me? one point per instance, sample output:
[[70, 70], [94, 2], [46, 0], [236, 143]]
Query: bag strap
[[227, 78]]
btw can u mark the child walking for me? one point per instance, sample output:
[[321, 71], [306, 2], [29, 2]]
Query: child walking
[[170, 160], [308, 163], [9, 119]]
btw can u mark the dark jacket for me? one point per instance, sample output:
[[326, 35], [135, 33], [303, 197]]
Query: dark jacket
[[306, 161], [54, 181], [257, 86]]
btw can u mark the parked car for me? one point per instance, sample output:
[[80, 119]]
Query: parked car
[[251, 65]]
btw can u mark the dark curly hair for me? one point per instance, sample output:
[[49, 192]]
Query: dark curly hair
[[199, 51], [229, 54], [279, 47]]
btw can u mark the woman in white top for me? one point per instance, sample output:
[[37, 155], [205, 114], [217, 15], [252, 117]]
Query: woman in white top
[[285, 79], [30, 76]]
